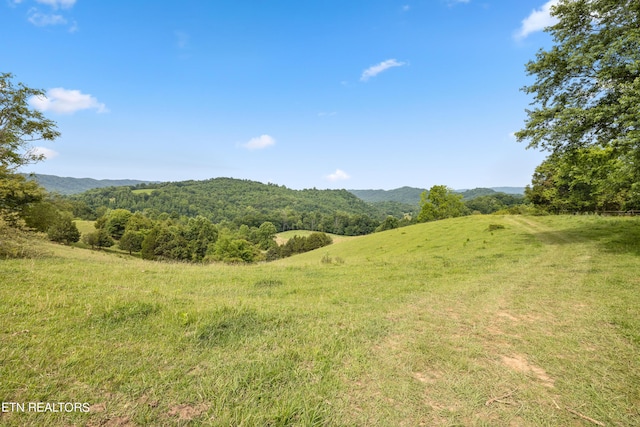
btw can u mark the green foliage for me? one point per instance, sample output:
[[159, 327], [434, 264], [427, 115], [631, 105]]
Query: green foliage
[[165, 242], [116, 222], [440, 203], [585, 180], [16, 195], [494, 227], [299, 244], [15, 242], [98, 239], [234, 250], [404, 196], [20, 125], [63, 230], [586, 96], [245, 202], [487, 204], [587, 85], [389, 224], [265, 235], [40, 215], [131, 241]]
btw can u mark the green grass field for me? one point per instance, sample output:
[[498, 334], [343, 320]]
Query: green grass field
[[482, 320]]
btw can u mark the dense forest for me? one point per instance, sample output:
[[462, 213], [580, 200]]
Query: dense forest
[[245, 202]]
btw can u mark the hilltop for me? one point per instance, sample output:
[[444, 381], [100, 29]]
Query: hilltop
[[68, 185], [249, 202], [406, 195], [411, 195]]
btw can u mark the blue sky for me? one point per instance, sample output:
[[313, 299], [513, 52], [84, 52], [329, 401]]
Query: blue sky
[[327, 94]]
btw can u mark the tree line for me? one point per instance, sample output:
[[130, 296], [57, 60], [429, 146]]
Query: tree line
[[195, 239], [244, 202], [586, 109]]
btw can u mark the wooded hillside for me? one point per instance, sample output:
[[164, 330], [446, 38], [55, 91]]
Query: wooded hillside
[[248, 202]]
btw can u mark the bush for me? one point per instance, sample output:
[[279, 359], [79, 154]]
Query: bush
[[63, 230], [99, 238], [17, 243]]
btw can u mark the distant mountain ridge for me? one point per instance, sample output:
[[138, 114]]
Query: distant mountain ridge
[[411, 195], [68, 185], [406, 195]]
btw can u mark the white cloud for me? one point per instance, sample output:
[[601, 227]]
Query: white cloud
[[338, 175], [374, 70], [44, 19], [538, 20], [64, 4], [48, 153], [452, 2], [64, 101], [259, 143], [327, 113], [406, 8]]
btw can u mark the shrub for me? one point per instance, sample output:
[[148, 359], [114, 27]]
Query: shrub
[[63, 230]]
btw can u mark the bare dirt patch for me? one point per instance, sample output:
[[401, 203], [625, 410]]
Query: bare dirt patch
[[427, 377], [521, 364], [507, 316], [187, 412]]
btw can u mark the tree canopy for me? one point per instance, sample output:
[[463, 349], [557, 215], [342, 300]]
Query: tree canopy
[[441, 202], [588, 84], [20, 125]]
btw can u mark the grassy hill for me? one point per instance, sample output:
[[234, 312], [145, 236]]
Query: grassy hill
[[481, 320]]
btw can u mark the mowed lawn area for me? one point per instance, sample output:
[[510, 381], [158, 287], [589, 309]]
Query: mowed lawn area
[[481, 320]]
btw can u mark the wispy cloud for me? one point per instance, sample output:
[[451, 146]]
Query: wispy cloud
[[182, 39], [406, 8], [51, 15], [64, 4], [338, 175], [259, 143], [47, 153], [538, 20], [453, 2], [374, 70], [65, 101], [327, 113], [45, 19]]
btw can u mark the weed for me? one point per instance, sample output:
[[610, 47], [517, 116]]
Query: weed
[[268, 283], [230, 324], [129, 312], [494, 227]]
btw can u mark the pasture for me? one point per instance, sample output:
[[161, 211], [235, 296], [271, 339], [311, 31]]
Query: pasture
[[481, 320]]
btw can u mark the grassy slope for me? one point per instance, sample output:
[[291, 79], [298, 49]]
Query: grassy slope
[[437, 324]]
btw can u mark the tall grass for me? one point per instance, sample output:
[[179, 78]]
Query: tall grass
[[472, 321]]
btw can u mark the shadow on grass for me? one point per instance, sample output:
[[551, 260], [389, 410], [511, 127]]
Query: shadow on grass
[[613, 235]]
